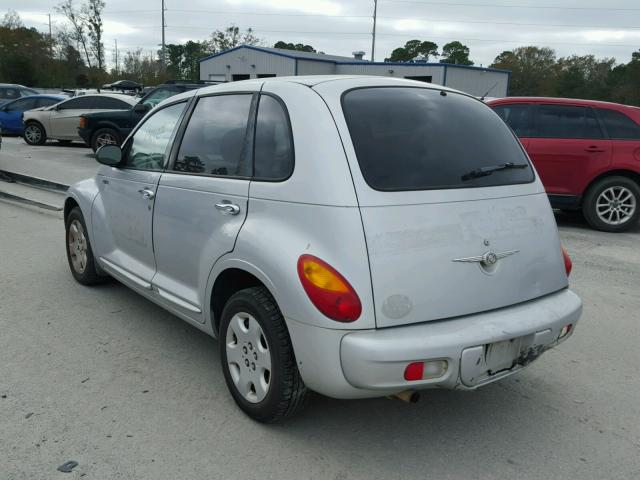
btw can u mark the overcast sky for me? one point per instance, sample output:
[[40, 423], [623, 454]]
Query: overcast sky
[[488, 27]]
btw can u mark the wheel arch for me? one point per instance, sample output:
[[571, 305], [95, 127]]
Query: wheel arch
[[635, 176], [34, 120], [228, 277]]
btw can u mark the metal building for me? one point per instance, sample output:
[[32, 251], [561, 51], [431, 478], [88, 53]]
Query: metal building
[[247, 61]]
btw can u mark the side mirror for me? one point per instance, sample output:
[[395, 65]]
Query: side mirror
[[110, 155], [141, 108]]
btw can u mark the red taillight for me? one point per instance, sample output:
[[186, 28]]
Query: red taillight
[[83, 122], [567, 261], [329, 291], [414, 371]]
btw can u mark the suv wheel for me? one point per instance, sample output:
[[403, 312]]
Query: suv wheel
[[257, 357], [612, 204], [79, 252], [34, 134], [104, 136]]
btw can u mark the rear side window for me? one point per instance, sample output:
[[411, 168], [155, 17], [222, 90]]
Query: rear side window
[[79, 103], [418, 139], [565, 121], [22, 105], [273, 152], [46, 102], [517, 116], [9, 93], [619, 126], [110, 103], [215, 141]]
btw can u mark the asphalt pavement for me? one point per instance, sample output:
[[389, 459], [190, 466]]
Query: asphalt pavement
[[105, 378]]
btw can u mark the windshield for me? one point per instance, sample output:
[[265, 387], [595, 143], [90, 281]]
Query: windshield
[[409, 138], [155, 97]]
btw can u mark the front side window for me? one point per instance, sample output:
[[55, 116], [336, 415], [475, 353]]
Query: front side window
[[273, 150], [27, 92], [619, 126], [79, 103], [150, 145], [566, 121], [421, 139], [46, 102], [517, 116], [215, 140], [158, 95], [9, 93]]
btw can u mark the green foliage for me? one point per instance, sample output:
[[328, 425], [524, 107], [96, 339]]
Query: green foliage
[[455, 53], [414, 50], [298, 46], [538, 72]]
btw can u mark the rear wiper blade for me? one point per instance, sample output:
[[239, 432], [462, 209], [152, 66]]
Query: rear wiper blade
[[484, 171]]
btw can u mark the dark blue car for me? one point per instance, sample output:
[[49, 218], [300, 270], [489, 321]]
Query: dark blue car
[[11, 112]]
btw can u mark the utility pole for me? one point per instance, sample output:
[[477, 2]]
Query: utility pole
[[373, 34], [50, 37], [163, 44], [116, 41]]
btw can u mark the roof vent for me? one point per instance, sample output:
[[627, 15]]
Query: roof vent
[[358, 55]]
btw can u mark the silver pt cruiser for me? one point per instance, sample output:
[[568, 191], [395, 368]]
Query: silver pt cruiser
[[354, 236]]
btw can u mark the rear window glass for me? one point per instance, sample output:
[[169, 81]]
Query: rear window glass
[[418, 139], [619, 126]]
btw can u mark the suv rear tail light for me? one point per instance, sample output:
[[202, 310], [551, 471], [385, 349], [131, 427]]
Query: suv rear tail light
[[567, 262], [329, 291]]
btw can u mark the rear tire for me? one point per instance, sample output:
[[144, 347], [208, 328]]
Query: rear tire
[[612, 204], [79, 251], [104, 136], [257, 357], [34, 134]]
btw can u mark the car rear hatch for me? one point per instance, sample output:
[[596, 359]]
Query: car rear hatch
[[455, 221]]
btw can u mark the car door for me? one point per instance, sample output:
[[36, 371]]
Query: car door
[[567, 145], [11, 114], [123, 212], [202, 198], [64, 118]]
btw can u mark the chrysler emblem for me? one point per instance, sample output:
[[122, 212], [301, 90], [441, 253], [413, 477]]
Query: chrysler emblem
[[487, 259]]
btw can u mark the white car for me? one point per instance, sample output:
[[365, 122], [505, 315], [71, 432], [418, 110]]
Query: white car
[[354, 236], [61, 121]]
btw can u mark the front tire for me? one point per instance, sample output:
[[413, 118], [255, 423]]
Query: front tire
[[257, 357], [34, 134], [79, 251], [612, 204], [104, 136]]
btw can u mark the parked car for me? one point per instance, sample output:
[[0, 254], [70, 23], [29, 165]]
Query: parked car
[[124, 85], [60, 121], [10, 91], [107, 128], [11, 112], [358, 237], [587, 153]]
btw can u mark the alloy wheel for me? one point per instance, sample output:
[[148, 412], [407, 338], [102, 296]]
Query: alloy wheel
[[105, 139], [32, 133], [77, 242], [616, 205], [248, 357]]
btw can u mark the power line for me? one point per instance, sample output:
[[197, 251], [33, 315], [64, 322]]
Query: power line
[[499, 5]]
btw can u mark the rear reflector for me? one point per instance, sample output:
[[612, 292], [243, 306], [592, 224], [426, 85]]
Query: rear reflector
[[567, 262], [566, 330], [425, 370]]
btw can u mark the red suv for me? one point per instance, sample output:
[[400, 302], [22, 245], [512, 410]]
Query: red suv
[[586, 152]]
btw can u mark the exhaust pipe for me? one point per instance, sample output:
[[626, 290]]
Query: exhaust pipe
[[407, 396]]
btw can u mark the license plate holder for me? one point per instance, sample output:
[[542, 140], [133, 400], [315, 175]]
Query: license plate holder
[[501, 356]]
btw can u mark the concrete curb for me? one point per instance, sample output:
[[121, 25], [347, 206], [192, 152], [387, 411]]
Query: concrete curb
[[28, 201], [33, 181]]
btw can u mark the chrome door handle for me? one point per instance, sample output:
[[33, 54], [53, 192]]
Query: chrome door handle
[[228, 208], [146, 193]]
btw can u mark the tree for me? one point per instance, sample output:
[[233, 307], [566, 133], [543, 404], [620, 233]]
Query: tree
[[12, 20], [78, 29], [414, 50], [231, 37], [92, 18], [533, 70], [456, 53], [183, 60], [298, 46]]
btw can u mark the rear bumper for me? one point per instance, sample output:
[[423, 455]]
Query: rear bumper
[[85, 134], [372, 362]]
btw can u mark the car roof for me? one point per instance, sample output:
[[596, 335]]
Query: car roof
[[313, 80], [119, 96], [558, 101], [40, 95], [14, 85]]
